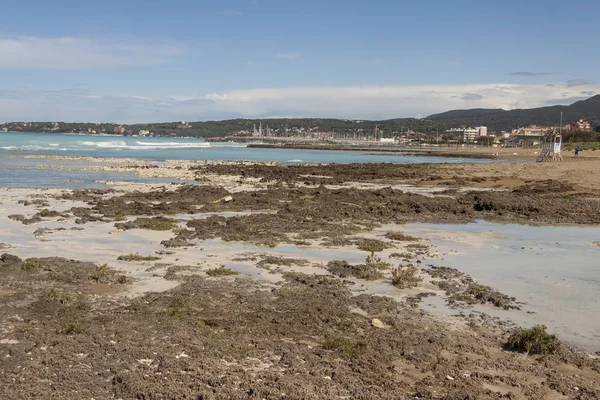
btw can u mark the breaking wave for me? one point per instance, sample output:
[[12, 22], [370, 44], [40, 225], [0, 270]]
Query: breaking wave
[[137, 145]]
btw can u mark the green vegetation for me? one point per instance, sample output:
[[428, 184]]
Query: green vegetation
[[56, 295], [345, 346], [72, 316], [406, 277], [156, 225], [179, 306], [495, 119], [401, 237], [372, 245], [32, 266], [370, 270], [533, 341], [102, 273], [137, 257], [498, 120], [73, 328], [221, 271], [374, 262], [119, 216]]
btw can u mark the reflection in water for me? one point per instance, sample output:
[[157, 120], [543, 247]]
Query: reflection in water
[[555, 271]]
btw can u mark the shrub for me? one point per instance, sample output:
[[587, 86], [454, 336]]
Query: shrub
[[137, 257], [221, 271], [400, 237], [372, 245], [73, 328], [179, 307], [405, 277], [155, 225], [345, 346], [533, 341], [344, 270], [375, 262], [32, 266], [101, 273]]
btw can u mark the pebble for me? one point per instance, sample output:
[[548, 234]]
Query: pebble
[[377, 323], [448, 377]]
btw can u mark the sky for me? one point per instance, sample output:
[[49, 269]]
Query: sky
[[131, 61]]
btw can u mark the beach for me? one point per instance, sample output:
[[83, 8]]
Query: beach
[[232, 279]]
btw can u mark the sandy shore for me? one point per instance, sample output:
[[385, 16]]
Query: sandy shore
[[285, 282]]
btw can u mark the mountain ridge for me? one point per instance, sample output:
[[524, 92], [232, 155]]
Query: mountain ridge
[[499, 119]]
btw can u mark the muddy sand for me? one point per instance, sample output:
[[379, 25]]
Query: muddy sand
[[187, 291]]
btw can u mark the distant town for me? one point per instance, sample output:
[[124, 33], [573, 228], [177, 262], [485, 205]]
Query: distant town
[[312, 131]]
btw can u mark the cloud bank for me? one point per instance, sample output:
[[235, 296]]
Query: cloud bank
[[528, 73], [288, 56], [383, 102], [28, 52]]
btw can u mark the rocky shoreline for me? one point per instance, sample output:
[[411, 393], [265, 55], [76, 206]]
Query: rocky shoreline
[[257, 280]]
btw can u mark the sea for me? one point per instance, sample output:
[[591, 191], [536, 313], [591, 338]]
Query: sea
[[18, 171]]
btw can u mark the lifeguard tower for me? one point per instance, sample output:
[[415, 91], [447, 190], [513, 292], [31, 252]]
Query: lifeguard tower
[[552, 146]]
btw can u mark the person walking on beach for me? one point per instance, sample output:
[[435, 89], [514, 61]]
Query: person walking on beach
[[576, 151]]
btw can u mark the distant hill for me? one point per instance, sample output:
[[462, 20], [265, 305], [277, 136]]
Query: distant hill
[[495, 119], [498, 119]]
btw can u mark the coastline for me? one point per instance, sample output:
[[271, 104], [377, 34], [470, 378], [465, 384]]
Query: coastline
[[264, 248]]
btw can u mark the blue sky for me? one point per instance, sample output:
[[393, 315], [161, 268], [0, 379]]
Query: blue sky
[[134, 60]]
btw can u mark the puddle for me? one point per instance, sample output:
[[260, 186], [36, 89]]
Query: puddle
[[103, 289], [553, 270]]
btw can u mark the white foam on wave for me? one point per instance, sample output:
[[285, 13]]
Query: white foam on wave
[[229, 145], [31, 148], [174, 145], [122, 145]]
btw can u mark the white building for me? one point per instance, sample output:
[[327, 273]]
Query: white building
[[469, 134], [387, 140]]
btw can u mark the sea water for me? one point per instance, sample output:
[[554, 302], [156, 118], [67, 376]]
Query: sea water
[[553, 270], [16, 171], [187, 149]]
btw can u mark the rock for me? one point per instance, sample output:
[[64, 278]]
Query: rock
[[596, 243], [227, 199], [9, 259], [377, 323], [448, 377], [41, 232]]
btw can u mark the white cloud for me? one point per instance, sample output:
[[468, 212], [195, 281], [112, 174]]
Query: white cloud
[[28, 52], [346, 102], [288, 56]]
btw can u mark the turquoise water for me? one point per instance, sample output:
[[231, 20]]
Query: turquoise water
[[17, 171], [185, 149]]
